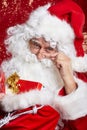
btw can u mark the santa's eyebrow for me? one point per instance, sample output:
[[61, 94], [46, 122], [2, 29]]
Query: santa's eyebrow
[[50, 48], [35, 40]]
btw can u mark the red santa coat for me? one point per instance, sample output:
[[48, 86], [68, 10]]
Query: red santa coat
[[78, 124], [46, 117]]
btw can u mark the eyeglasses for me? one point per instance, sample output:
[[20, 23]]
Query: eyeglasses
[[36, 46]]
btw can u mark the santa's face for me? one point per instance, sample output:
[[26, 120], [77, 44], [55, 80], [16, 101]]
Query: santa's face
[[41, 48], [85, 42]]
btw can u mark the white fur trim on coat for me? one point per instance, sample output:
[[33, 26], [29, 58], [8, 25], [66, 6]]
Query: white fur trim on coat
[[79, 64], [27, 99], [74, 105], [71, 106]]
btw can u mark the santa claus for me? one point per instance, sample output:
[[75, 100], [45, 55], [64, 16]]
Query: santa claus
[[46, 52]]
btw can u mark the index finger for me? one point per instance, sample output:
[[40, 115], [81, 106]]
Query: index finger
[[54, 55]]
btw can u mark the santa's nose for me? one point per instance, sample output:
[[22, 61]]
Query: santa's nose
[[41, 54]]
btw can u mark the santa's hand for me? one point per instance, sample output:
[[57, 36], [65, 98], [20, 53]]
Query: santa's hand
[[63, 63]]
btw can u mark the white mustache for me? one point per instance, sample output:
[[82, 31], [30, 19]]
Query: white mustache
[[32, 58]]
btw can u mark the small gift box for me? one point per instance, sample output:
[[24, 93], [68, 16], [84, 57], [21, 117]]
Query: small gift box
[[17, 85]]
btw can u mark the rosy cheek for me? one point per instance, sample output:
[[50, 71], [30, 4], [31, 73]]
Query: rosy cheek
[[34, 51]]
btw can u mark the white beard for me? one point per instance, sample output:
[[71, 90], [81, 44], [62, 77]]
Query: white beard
[[37, 71], [31, 69]]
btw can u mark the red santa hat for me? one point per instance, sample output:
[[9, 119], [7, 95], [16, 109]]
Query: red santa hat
[[66, 11], [73, 14]]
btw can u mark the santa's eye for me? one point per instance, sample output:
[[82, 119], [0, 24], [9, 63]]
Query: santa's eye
[[35, 44], [49, 49]]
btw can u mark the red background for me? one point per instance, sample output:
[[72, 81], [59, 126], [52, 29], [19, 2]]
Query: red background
[[17, 11]]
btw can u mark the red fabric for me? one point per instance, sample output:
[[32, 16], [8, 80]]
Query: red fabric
[[73, 14], [79, 124], [83, 5], [25, 85], [2, 81], [62, 92], [45, 119], [82, 76]]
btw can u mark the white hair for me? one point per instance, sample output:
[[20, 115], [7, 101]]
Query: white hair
[[42, 24]]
